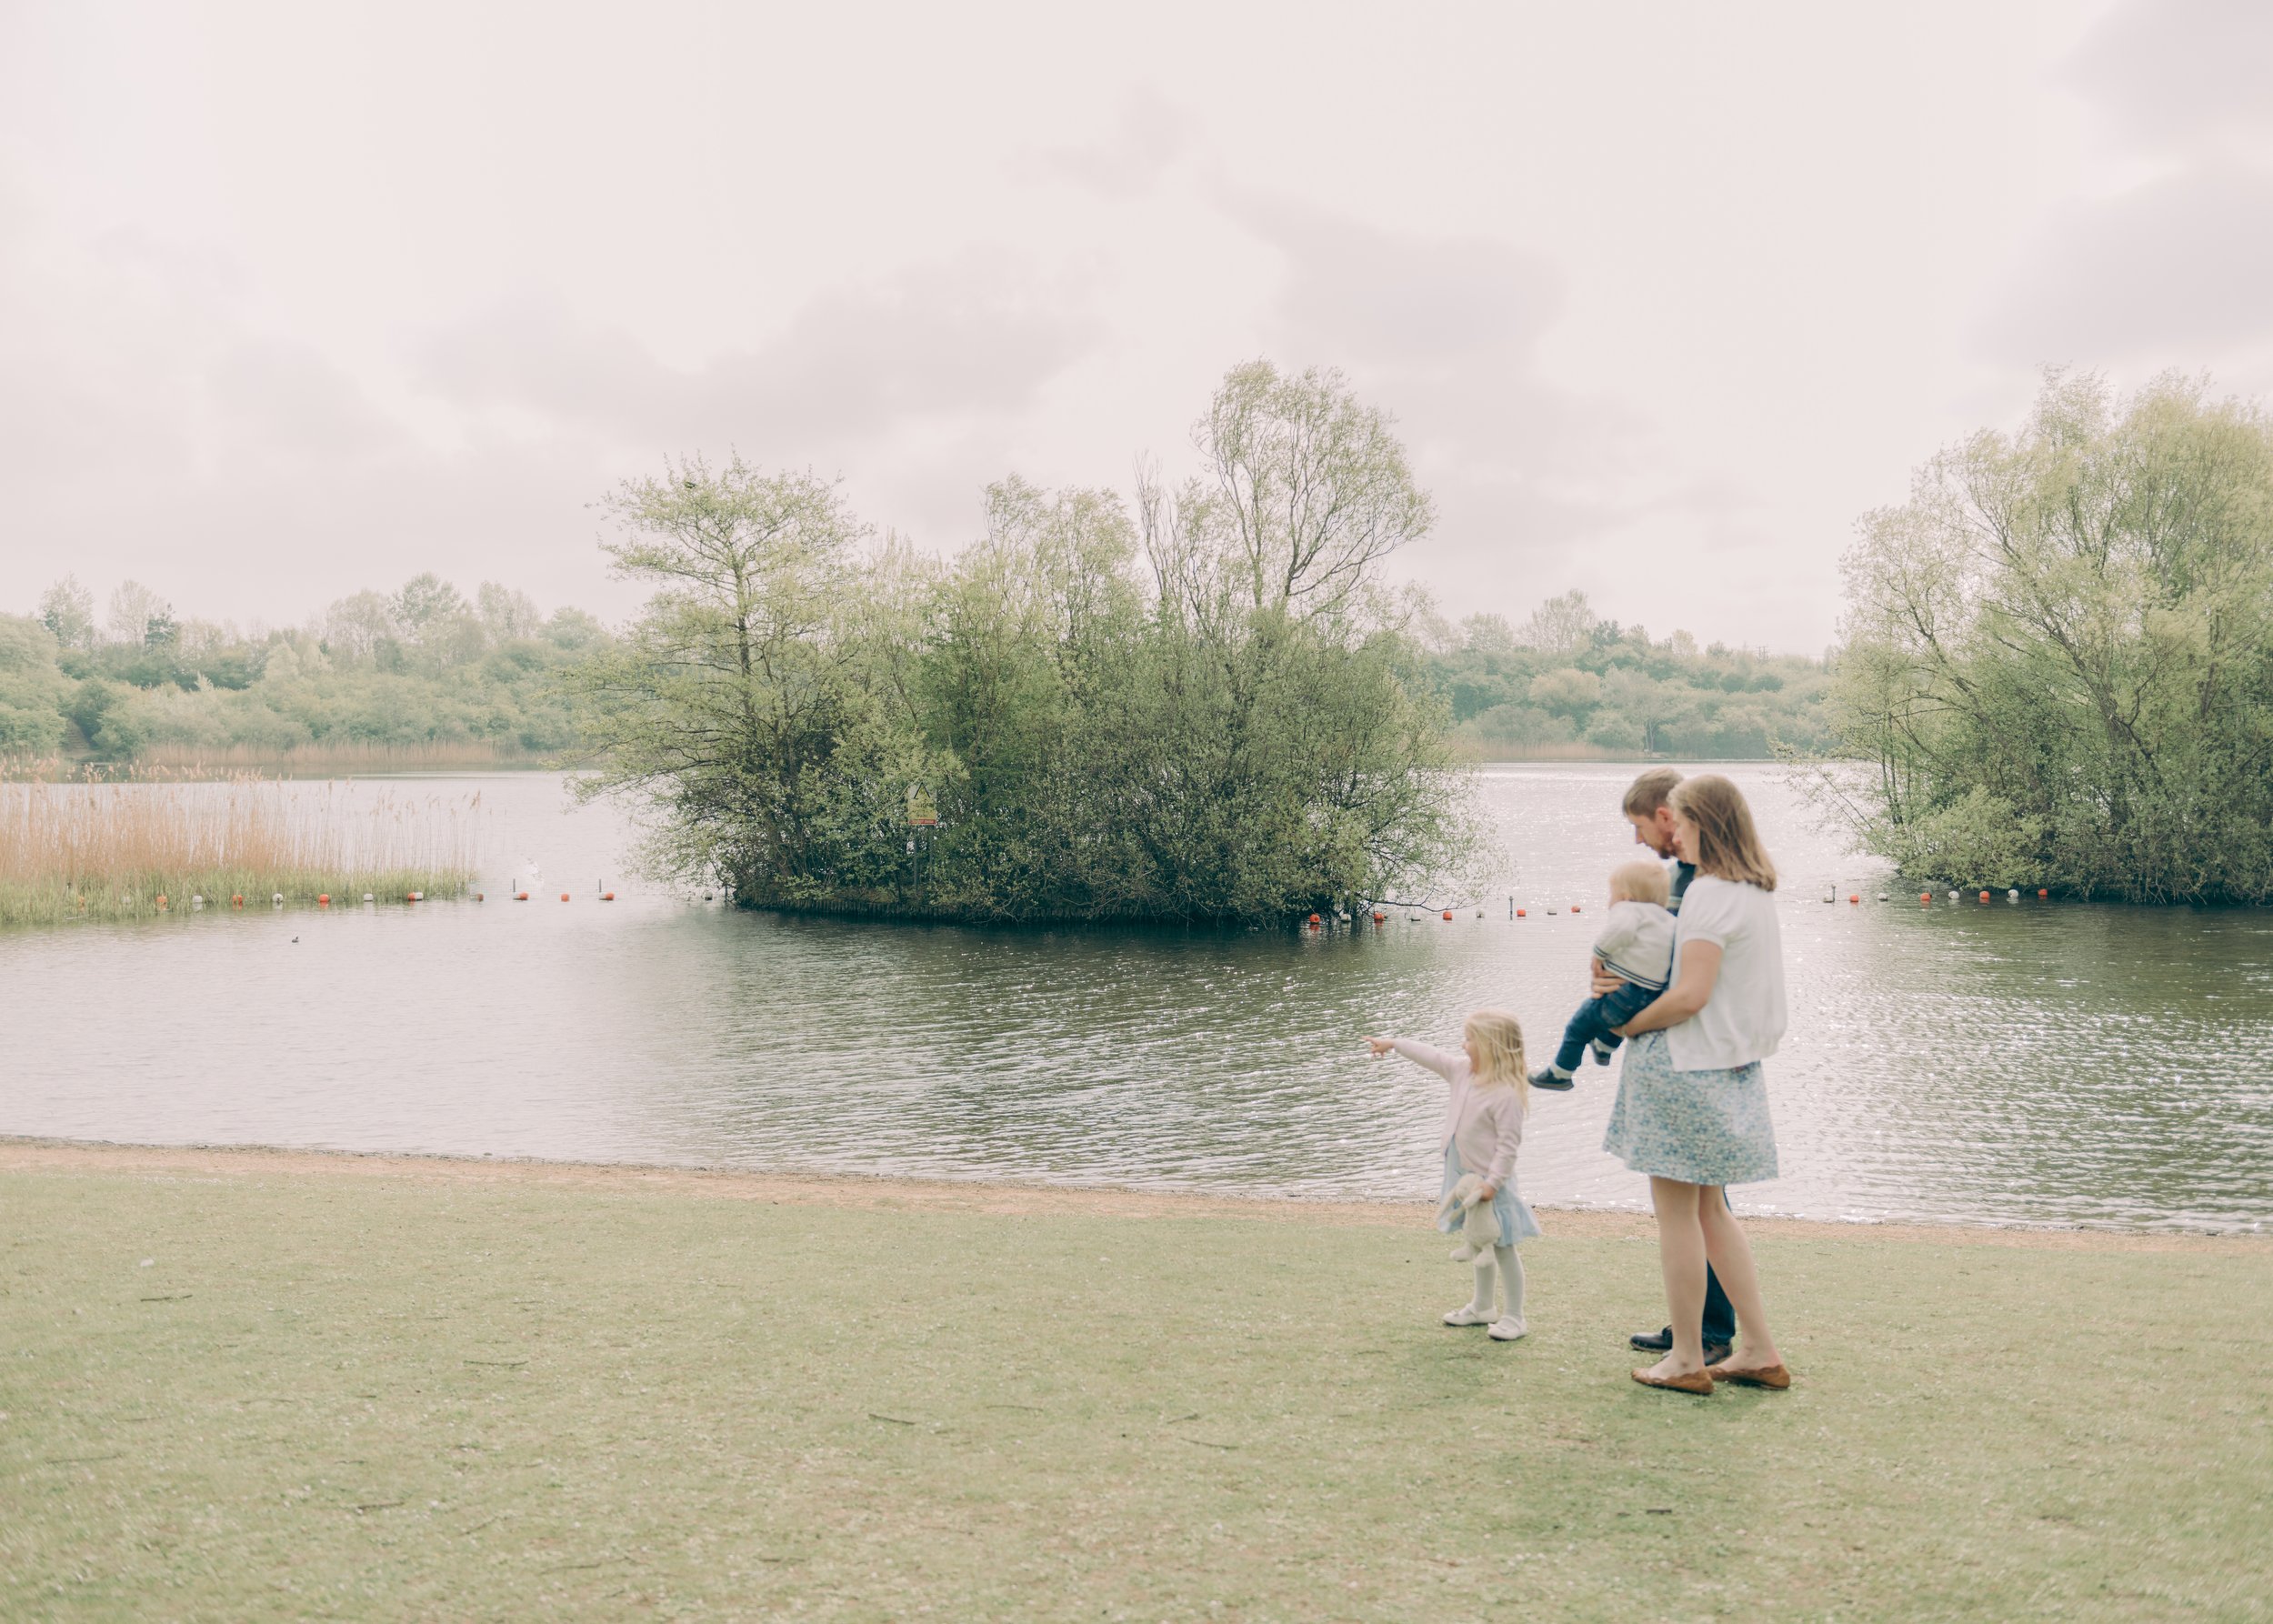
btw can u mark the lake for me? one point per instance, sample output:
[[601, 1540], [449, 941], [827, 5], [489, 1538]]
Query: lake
[[2038, 1062]]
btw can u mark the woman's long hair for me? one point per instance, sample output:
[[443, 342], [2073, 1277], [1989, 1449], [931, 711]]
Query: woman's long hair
[[1498, 1039], [1727, 846]]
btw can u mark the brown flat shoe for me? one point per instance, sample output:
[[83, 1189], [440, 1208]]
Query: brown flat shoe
[[1696, 1381], [1766, 1376]]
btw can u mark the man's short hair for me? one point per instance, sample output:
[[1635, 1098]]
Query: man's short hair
[[1645, 794]]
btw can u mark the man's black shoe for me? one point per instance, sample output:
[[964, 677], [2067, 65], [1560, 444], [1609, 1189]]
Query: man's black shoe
[[1548, 1078], [1662, 1342]]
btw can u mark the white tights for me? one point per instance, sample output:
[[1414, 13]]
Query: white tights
[[1510, 1280]]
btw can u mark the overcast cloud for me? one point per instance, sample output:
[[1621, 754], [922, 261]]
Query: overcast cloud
[[2166, 262], [297, 300]]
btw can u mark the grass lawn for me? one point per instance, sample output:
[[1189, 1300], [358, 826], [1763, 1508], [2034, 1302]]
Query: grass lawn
[[245, 1387]]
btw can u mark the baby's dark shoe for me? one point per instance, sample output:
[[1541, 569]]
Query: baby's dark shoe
[[1601, 1051], [1546, 1077]]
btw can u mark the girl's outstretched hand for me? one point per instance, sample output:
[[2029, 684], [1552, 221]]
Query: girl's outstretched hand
[[1380, 1046]]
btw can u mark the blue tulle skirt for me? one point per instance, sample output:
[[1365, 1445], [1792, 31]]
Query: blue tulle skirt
[[1513, 1213]]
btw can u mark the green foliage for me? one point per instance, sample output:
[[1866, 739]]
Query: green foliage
[[1567, 682], [2060, 653], [32, 688], [1202, 713], [67, 611], [420, 669]]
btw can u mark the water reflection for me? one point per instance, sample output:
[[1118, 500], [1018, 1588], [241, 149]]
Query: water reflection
[[2030, 1063]]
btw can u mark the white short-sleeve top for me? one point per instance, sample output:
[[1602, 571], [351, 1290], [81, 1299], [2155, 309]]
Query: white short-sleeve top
[[1744, 1020]]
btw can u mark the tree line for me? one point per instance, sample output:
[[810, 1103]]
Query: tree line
[[1567, 676], [420, 667]]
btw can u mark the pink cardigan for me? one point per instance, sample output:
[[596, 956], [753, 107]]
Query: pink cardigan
[[1486, 1123]]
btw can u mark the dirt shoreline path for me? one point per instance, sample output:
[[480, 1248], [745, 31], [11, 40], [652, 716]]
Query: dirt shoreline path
[[24, 1155]]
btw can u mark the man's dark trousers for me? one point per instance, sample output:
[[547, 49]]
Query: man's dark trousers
[[1720, 1315]]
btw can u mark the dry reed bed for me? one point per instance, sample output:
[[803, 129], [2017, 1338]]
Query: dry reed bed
[[340, 758], [113, 851], [350, 758]]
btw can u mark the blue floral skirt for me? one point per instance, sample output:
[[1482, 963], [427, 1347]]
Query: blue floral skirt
[[1698, 1127], [1513, 1213]]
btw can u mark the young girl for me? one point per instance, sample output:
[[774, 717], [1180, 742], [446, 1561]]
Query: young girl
[[1483, 1129]]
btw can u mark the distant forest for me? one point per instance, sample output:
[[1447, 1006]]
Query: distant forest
[[421, 672], [1568, 684], [429, 671]]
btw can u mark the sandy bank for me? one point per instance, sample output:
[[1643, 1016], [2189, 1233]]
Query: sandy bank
[[52, 1156]]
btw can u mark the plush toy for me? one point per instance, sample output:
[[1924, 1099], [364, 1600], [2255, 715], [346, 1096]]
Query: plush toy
[[1479, 1229]]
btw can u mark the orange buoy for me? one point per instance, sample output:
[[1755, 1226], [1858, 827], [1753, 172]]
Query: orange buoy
[[162, 904], [323, 900], [1926, 896], [1314, 918], [1378, 916], [2042, 893], [480, 898], [237, 900], [520, 897], [1985, 896], [564, 896], [1574, 908], [1522, 914], [1853, 897]]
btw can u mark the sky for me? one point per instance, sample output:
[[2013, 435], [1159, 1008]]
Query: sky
[[297, 300]]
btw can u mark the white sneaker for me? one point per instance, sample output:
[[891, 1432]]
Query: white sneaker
[[1468, 1314], [1508, 1328]]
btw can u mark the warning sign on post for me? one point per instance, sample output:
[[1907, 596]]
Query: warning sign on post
[[921, 813]]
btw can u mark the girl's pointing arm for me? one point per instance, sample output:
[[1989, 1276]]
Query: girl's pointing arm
[[1444, 1065]]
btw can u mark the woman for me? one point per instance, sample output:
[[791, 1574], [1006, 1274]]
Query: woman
[[1692, 1104]]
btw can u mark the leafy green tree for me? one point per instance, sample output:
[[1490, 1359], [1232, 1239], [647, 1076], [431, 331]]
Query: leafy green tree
[[732, 692], [506, 615], [358, 628], [1562, 625], [32, 688], [67, 610], [2058, 658], [1307, 491], [1567, 691], [425, 600], [134, 610], [1489, 635]]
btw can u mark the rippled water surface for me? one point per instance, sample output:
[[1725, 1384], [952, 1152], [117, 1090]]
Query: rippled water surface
[[2034, 1062]]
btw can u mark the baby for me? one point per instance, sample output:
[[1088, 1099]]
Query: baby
[[1638, 944]]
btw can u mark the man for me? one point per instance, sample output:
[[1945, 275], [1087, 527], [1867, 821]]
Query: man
[[1646, 809]]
